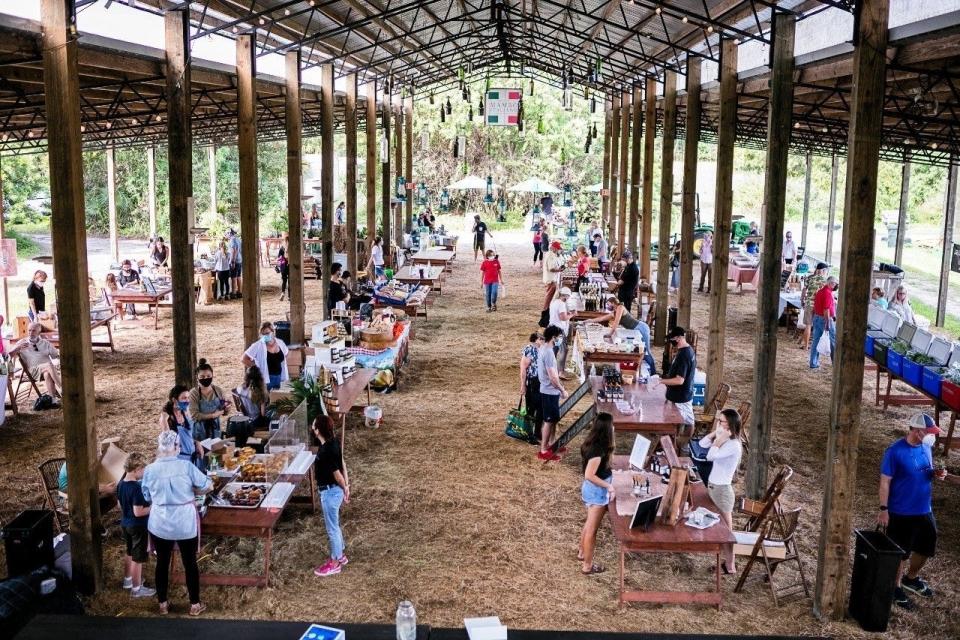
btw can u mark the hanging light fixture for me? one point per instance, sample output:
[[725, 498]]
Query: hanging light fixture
[[480, 109], [444, 200], [384, 149], [568, 99], [422, 193], [431, 97], [443, 114], [531, 86], [470, 113], [488, 198], [462, 141], [449, 107], [568, 192], [456, 147], [594, 132]]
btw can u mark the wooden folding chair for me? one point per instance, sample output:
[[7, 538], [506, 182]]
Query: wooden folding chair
[[49, 472], [777, 545], [755, 513], [704, 421], [25, 376]]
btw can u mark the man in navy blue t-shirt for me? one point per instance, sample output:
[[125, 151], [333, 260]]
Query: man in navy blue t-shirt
[[906, 479]]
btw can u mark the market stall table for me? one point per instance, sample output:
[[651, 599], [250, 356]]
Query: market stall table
[[345, 396], [606, 353], [135, 296], [53, 337], [741, 275], [434, 257], [654, 415], [789, 298], [427, 274], [414, 305], [663, 538], [268, 258]]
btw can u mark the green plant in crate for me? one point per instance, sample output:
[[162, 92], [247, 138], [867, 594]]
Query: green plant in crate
[[953, 374], [900, 347], [302, 389], [921, 358]]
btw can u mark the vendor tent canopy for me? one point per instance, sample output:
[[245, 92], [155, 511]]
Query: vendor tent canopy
[[470, 183], [596, 188], [534, 185]]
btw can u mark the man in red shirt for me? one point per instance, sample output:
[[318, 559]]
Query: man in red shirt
[[824, 319]]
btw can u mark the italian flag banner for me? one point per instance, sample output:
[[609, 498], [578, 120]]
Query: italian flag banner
[[503, 107]]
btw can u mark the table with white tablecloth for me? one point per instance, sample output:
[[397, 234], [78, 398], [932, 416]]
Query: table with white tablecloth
[[792, 298]]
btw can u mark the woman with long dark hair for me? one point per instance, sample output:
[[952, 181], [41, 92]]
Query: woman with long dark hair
[[176, 417], [207, 402], [596, 491], [530, 382], [725, 452], [333, 484]]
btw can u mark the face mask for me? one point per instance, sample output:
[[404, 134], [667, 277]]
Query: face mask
[[206, 382], [929, 440], [183, 404], [267, 339]]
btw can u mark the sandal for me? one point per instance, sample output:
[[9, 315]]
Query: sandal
[[197, 609], [595, 568]]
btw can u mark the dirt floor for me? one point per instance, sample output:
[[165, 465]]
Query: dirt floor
[[450, 513]]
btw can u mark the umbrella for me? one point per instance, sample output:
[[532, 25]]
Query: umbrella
[[597, 188], [470, 182], [534, 185]]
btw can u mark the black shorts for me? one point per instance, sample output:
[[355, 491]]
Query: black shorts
[[914, 534], [550, 408], [136, 540], [478, 243], [236, 270]]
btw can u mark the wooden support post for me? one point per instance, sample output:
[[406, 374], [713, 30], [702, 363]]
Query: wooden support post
[[370, 172], [398, 161], [780, 115], [688, 205], [408, 129], [902, 214], [6, 291], [666, 205], [723, 211], [626, 104], [180, 181], [832, 211], [112, 205], [68, 228], [350, 127], [152, 189], [950, 210], [294, 125], [646, 232], [327, 170], [806, 200], [249, 187], [611, 230], [212, 169], [605, 183], [635, 164], [386, 176], [856, 271]]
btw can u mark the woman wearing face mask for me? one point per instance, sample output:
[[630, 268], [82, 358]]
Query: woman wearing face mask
[[269, 353], [725, 452], [36, 297], [176, 417], [207, 402]]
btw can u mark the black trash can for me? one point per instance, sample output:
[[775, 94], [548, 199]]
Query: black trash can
[[28, 541], [875, 563], [282, 329], [672, 318]]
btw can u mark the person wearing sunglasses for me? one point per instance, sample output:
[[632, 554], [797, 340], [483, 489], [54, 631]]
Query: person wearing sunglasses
[[41, 358]]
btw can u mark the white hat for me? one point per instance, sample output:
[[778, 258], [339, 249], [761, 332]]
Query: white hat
[[565, 291]]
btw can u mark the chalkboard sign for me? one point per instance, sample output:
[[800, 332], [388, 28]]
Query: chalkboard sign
[[582, 423]]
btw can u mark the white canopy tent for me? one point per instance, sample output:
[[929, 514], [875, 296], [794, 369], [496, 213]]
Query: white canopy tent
[[534, 185]]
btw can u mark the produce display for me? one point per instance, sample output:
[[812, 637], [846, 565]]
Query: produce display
[[596, 340]]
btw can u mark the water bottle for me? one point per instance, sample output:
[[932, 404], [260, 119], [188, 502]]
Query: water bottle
[[406, 621]]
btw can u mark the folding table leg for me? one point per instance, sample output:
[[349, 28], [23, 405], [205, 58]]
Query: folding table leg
[[267, 546]]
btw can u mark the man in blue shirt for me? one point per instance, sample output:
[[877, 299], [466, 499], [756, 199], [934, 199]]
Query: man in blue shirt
[[906, 479], [236, 267]]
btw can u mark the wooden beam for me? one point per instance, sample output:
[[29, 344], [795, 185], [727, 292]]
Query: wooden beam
[[152, 189], [856, 271], [950, 211], [611, 230], [626, 104], [112, 205], [180, 180], [398, 173], [212, 170], [688, 204], [666, 204], [768, 296], [902, 213], [327, 169], [806, 200], [6, 291], [385, 175], [350, 129], [408, 136], [293, 117], [646, 232], [370, 170], [832, 210], [68, 228], [249, 187], [723, 212], [635, 147], [605, 183]]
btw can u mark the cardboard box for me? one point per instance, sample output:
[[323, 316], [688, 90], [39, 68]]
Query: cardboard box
[[112, 460]]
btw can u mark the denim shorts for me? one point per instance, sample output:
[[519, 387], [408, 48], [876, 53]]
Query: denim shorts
[[594, 495]]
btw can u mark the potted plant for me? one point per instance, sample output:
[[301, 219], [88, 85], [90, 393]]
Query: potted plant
[[302, 389]]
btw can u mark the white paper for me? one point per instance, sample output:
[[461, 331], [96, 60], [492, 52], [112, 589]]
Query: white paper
[[488, 628]]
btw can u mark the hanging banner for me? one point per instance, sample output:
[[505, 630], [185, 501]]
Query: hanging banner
[[503, 107], [8, 258]]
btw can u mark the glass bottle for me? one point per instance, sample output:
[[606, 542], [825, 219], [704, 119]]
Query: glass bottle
[[406, 621]]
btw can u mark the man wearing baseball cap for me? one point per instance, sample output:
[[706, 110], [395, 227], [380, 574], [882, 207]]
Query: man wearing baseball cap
[[560, 316], [906, 512], [679, 378], [552, 267]]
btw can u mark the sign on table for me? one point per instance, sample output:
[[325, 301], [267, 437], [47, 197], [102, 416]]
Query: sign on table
[[503, 107]]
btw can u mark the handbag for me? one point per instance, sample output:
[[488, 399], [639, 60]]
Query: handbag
[[544, 318], [519, 425]]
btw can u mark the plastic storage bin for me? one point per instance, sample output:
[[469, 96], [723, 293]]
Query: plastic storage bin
[[912, 372], [875, 562], [932, 380], [868, 345], [894, 363], [950, 394], [28, 541], [880, 349]]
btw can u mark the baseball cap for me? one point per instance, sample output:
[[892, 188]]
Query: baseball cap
[[565, 291], [822, 265], [925, 422], [676, 332], [556, 245], [627, 255]]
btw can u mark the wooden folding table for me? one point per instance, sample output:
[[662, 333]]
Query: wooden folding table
[[655, 416], [136, 296]]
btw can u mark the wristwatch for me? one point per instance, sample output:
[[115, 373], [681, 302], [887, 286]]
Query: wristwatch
[[883, 508]]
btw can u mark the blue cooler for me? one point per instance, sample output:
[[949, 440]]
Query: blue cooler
[[699, 388], [912, 372], [868, 345], [895, 363], [942, 351], [932, 380]]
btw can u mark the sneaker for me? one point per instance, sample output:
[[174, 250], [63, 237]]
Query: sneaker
[[917, 585], [901, 600], [344, 560], [143, 592], [197, 609], [560, 451], [547, 456], [164, 608], [128, 583], [329, 568]]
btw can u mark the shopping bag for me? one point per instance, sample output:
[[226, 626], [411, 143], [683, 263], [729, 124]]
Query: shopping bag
[[502, 291], [802, 319], [823, 347], [519, 425]]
